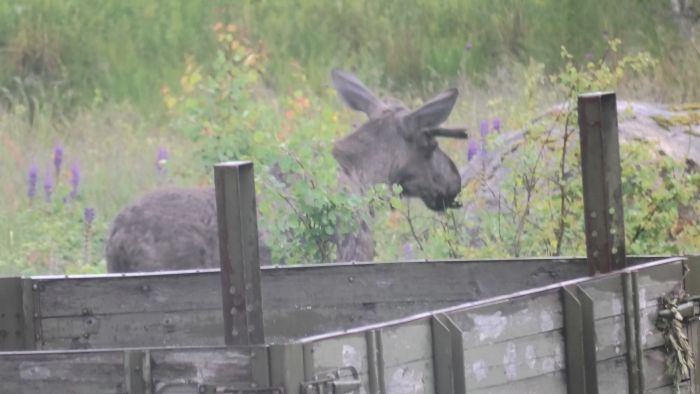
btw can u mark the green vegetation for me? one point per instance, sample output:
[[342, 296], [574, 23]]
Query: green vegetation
[[121, 83]]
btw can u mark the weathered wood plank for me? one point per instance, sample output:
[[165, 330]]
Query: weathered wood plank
[[408, 358], [514, 361], [684, 389], [612, 373], [96, 312], [67, 373], [330, 285], [554, 382], [196, 327], [304, 321], [612, 376], [509, 319], [608, 311], [204, 327], [225, 367], [129, 294], [653, 283]]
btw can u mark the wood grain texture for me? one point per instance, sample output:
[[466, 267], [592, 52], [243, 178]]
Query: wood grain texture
[[185, 309], [408, 358], [69, 373]]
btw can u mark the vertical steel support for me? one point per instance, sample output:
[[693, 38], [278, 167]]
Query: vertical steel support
[[287, 366], [375, 362], [32, 318], [602, 187], [12, 330], [575, 356], [590, 363], [442, 357], [238, 246], [635, 351], [137, 368]]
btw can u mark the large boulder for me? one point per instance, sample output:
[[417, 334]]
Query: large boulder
[[671, 130]]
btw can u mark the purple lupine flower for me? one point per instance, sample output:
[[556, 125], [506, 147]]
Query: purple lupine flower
[[32, 178], [484, 128], [89, 215], [472, 151], [497, 124], [74, 179], [408, 251], [57, 158], [161, 159], [48, 186], [468, 46]]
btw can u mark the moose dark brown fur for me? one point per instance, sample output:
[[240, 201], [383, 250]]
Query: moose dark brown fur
[[176, 228]]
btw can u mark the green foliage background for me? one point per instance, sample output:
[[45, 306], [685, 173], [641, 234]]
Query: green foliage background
[[213, 80]]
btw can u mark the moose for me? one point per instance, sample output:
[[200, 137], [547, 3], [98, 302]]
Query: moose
[[176, 228]]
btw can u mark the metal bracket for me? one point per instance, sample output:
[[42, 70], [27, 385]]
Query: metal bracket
[[689, 309], [137, 366], [334, 382]]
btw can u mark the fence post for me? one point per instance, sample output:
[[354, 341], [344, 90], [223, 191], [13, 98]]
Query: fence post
[[602, 187], [238, 247]]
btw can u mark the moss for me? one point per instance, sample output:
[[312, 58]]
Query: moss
[[686, 107], [689, 119]]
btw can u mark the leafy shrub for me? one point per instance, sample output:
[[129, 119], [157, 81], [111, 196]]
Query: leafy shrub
[[227, 111]]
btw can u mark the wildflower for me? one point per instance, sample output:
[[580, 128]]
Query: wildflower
[[48, 186], [161, 159], [472, 151], [496, 124], [89, 215], [58, 158], [31, 181], [74, 179], [468, 46], [484, 128], [217, 26], [408, 251]]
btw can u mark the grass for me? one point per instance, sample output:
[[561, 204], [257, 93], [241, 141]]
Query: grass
[[91, 76]]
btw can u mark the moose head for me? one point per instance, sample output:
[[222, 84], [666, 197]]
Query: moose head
[[399, 146]]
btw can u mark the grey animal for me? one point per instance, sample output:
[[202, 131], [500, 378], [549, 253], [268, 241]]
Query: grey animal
[[176, 228]]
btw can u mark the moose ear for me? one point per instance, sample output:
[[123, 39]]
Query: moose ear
[[432, 113], [354, 93]]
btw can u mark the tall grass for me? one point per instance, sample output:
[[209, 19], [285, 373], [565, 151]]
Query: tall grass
[[415, 44], [127, 49]]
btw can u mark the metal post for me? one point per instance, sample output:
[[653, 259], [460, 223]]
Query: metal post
[[12, 330], [238, 245], [602, 187]]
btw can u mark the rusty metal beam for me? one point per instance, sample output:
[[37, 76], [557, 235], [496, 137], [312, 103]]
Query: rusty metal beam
[[602, 186], [238, 245]]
